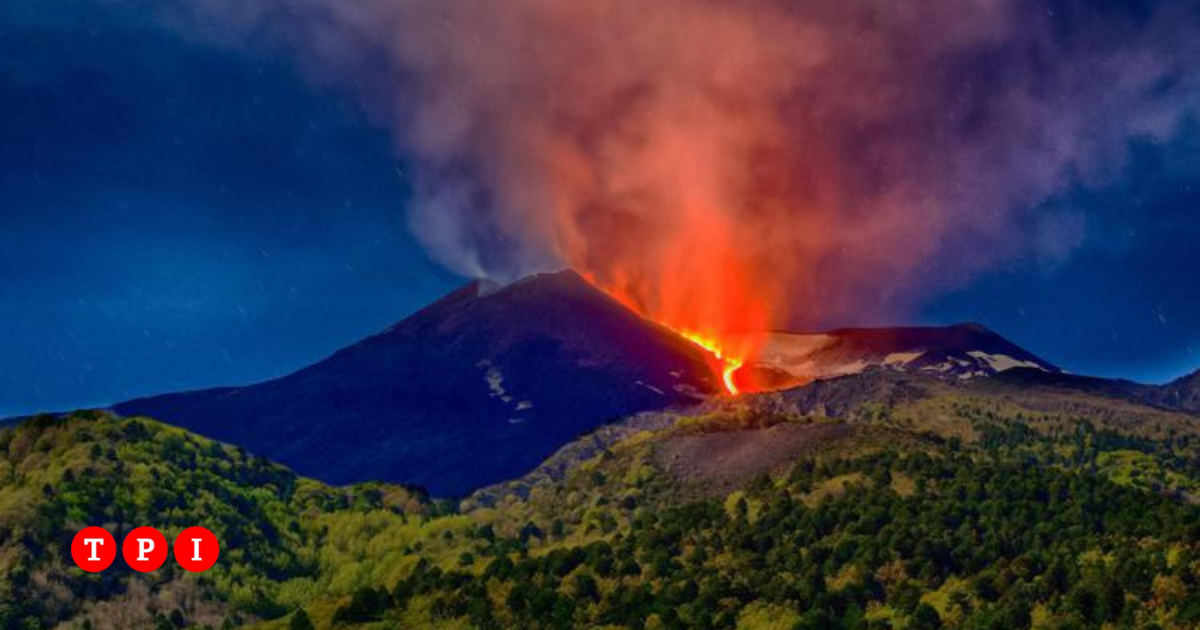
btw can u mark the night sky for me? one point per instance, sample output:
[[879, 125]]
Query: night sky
[[178, 215]]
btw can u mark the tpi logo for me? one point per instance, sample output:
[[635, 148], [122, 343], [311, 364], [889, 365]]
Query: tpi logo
[[144, 549]]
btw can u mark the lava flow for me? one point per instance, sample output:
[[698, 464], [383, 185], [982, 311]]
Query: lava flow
[[729, 364]]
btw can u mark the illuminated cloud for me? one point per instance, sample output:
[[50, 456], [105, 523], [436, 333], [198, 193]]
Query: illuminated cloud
[[746, 163]]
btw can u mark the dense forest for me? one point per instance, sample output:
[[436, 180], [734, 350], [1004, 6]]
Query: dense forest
[[952, 511], [59, 475]]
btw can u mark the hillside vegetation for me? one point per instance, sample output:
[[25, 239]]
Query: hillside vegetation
[[877, 502], [59, 475]]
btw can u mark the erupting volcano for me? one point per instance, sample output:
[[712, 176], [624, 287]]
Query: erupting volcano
[[484, 384]]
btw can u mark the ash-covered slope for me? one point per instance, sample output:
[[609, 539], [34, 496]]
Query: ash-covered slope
[[959, 352], [479, 387]]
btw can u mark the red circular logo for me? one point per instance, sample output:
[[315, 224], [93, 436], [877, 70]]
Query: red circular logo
[[93, 549], [145, 549], [196, 549]]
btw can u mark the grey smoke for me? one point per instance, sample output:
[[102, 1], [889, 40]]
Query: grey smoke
[[852, 146]]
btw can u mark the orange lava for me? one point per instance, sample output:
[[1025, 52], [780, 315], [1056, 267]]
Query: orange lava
[[729, 364], [729, 351], [691, 264]]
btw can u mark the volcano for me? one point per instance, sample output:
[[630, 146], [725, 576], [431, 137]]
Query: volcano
[[487, 382], [479, 387]]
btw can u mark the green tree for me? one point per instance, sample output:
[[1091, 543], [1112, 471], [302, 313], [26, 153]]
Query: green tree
[[300, 621]]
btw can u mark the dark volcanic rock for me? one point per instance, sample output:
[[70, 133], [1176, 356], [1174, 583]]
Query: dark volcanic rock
[[724, 461], [844, 396], [477, 388]]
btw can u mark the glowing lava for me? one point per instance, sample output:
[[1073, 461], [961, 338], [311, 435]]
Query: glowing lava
[[725, 355], [729, 365]]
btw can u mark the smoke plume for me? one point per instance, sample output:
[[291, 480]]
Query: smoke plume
[[732, 164]]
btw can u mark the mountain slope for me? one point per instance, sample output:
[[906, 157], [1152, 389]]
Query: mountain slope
[[478, 387], [895, 409], [1182, 393], [963, 351]]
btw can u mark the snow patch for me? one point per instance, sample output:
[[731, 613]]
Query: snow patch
[[902, 358], [495, 381], [1002, 362], [848, 368]]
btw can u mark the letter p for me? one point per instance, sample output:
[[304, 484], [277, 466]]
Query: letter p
[[145, 549], [145, 546]]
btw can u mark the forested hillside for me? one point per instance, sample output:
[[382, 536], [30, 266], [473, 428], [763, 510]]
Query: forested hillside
[[59, 475], [895, 503]]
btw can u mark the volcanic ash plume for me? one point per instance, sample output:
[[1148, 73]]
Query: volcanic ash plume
[[738, 164]]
